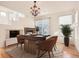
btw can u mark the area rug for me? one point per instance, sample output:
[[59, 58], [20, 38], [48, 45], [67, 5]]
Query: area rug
[[18, 52]]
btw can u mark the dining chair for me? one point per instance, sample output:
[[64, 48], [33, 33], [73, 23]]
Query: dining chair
[[20, 39], [46, 46]]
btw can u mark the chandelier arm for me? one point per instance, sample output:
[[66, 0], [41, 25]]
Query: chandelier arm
[[35, 9]]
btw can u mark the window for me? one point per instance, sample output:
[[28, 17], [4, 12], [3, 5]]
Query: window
[[3, 17], [43, 26], [2, 13], [10, 17], [64, 20]]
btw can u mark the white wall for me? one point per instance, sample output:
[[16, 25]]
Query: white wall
[[20, 24], [77, 29]]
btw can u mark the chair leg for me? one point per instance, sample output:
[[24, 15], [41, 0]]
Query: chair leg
[[52, 53], [49, 54], [17, 44], [38, 53], [55, 47], [21, 45], [42, 54]]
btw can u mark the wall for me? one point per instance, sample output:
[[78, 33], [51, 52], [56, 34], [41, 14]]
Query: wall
[[20, 24], [77, 29]]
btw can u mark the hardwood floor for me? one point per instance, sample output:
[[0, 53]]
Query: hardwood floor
[[3, 54], [69, 52]]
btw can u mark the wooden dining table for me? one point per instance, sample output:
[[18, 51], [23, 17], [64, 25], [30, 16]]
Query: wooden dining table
[[31, 41]]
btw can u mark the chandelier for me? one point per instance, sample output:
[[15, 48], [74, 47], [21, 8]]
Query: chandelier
[[35, 9]]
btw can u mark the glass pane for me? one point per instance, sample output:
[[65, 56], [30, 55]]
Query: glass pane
[[43, 26], [3, 18], [65, 20]]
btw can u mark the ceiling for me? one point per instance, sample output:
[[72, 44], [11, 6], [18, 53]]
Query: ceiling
[[45, 6]]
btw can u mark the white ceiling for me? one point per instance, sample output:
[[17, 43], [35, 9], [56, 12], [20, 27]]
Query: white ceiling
[[45, 6]]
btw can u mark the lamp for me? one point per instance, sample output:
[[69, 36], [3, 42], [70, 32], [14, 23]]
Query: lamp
[[35, 9]]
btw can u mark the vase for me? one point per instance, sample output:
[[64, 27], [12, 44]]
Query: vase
[[66, 41]]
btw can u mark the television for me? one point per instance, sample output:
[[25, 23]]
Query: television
[[13, 33]]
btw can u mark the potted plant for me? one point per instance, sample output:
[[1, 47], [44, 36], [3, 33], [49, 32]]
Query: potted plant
[[66, 31], [37, 29]]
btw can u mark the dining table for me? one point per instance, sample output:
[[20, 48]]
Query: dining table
[[31, 42]]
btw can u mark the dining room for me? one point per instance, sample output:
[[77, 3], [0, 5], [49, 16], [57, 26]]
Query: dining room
[[39, 29]]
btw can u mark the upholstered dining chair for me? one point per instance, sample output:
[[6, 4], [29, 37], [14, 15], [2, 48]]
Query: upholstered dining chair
[[47, 46], [20, 39]]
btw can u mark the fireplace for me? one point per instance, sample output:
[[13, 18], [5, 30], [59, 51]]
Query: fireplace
[[13, 33]]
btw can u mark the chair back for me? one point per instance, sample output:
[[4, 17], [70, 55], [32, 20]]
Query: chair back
[[53, 42], [20, 39], [48, 44]]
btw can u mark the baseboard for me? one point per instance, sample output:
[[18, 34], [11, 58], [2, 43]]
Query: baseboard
[[10, 45]]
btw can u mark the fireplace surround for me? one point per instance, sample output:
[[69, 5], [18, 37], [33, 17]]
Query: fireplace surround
[[11, 35]]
